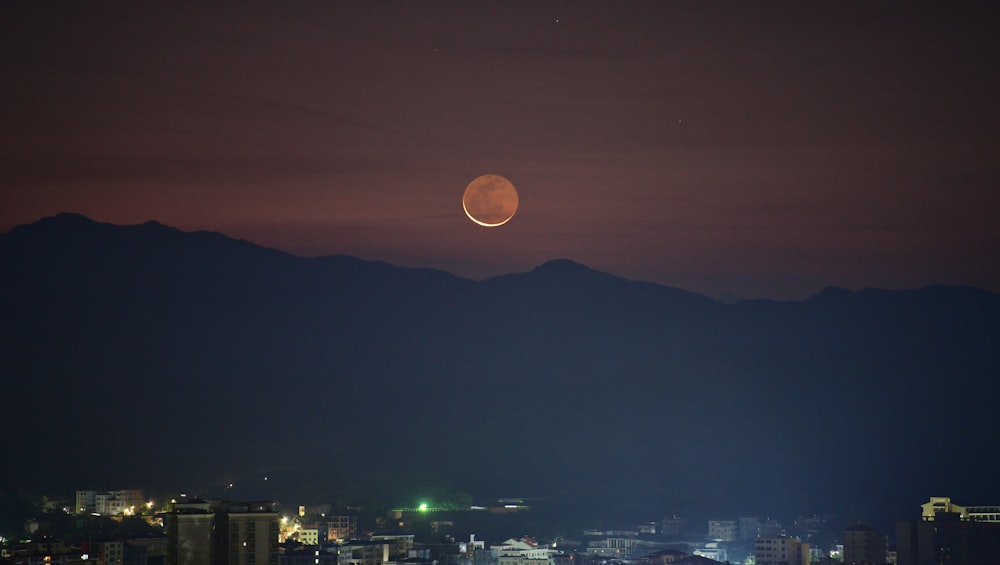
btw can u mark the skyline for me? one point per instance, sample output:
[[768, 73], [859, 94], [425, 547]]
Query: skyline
[[766, 151]]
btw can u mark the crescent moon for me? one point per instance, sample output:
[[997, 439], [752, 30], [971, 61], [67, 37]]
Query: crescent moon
[[490, 201]]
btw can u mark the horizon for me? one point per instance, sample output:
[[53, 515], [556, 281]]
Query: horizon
[[726, 299]]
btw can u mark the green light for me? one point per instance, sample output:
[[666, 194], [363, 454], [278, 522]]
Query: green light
[[423, 507]]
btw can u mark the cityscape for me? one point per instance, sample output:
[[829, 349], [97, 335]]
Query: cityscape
[[124, 527], [499, 282]]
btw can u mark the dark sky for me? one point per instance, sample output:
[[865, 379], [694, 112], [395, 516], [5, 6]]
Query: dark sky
[[764, 149]]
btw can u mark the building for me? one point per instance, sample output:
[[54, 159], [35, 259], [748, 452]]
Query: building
[[122, 553], [109, 502], [474, 552], [664, 556], [524, 551], [781, 550], [948, 537], [723, 530], [153, 552], [302, 555], [749, 528], [341, 528], [309, 535], [863, 546], [938, 504], [86, 502], [397, 546], [253, 532], [648, 528], [771, 529], [365, 553], [611, 543], [43, 552], [214, 532], [712, 550], [673, 527]]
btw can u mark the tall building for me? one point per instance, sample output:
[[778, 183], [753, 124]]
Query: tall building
[[863, 546], [122, 552], [949, 533], [749, 528], [781, 550], [86, 502], [771, 529], [213, 532], [192, 537]]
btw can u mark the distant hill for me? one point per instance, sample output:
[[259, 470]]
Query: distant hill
[[143, 355]]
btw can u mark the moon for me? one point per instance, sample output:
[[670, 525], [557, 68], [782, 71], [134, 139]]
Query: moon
[[490, 200]]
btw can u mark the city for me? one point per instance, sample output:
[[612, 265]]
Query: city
[[125, 528]]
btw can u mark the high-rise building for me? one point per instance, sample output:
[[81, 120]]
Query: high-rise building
[[949, 533], [749, 528], [192, 537], [203, 532], [863, 546], [771, 529]]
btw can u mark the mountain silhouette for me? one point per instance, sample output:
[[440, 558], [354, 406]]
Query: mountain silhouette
[[143, 355]]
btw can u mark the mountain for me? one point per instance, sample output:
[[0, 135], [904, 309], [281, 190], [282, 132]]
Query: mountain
[[144, 355]]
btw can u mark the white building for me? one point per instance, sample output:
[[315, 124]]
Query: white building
[[109, 502], [712, 550], [524, 551]]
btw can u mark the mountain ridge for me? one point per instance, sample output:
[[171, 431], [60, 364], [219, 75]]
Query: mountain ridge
[[214, 348], [555, 268]]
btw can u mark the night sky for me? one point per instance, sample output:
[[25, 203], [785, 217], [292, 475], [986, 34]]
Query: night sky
[[740, 149]]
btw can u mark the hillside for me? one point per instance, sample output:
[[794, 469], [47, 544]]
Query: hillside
[[146, 355]]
